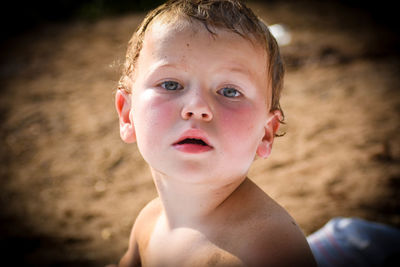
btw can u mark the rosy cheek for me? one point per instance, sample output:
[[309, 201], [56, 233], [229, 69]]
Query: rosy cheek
[[240, 135], [239, 122], [157, 113]]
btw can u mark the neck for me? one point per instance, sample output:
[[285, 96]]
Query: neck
[[189, 203]]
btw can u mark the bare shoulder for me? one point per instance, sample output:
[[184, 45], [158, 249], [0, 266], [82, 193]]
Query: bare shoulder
[[145, 221], [149, 213], [276, 238], [280, 241], [140, 233]]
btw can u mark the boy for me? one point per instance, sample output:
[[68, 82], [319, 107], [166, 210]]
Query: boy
[[200, 96]]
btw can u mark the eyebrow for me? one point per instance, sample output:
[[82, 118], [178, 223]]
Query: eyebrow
[[161, 64], [240, 70], [248, 73], [232, 68]]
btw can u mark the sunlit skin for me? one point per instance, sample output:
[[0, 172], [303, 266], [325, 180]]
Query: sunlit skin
[[200, 67], [200, 112]]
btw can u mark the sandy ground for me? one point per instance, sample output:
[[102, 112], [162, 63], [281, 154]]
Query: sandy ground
[[71, 189]]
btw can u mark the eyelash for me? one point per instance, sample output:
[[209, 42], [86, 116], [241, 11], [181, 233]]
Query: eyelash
[[237, 93], [164, 85], [180, 87]]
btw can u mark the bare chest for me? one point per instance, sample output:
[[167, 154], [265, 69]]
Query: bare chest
[[185, 247]]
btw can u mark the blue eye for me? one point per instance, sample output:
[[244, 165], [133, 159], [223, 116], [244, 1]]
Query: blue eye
[[171, 85], [229, 92]]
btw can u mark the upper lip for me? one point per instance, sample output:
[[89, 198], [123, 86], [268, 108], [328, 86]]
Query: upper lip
[[194, 134]]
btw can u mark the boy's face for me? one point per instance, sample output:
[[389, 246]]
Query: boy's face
[[189, 84]]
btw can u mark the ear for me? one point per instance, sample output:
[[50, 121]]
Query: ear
[[271, 127], [126, 126]]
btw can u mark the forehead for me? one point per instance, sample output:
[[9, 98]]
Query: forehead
[[189, 44], [179, 30]]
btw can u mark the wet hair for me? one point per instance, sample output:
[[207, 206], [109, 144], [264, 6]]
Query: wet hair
[[231, 15]]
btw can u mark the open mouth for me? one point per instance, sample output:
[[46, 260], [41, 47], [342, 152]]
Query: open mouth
[[192, 141], [192, 145]]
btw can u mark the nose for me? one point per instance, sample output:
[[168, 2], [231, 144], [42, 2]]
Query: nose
[[197, 108]]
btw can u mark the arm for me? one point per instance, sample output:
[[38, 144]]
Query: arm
[[141, 230], [132, 256]]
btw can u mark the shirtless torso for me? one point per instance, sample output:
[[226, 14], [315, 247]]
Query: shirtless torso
[[263, 234]]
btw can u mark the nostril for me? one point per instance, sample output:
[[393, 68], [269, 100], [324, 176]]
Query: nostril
[[201, 115], [206, 116]]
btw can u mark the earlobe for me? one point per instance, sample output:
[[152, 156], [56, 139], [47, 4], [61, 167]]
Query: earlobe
[[271, 127], [265, 146], [264, 149], [126, 126]]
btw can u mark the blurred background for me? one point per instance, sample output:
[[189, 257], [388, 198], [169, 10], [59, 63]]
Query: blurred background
[[70, 189]]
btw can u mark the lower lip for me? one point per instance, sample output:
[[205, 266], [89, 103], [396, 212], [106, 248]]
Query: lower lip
[[192, 148]]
